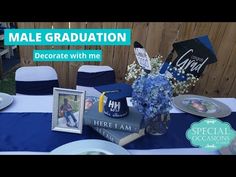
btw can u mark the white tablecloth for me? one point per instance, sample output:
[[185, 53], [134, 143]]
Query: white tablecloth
[[44, 104]]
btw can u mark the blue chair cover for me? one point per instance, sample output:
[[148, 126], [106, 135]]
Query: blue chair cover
[[36, 87], [95, 79]]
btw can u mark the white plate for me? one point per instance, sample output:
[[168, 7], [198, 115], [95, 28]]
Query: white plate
[[90, 147], [5, 100]]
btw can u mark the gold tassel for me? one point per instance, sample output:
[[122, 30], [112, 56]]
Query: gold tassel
[[101, 100]]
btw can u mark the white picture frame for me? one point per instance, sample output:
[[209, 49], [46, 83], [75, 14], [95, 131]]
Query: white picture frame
[[68, 110]]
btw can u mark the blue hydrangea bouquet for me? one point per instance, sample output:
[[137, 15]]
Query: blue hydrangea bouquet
[[152, 96], [153, 92]]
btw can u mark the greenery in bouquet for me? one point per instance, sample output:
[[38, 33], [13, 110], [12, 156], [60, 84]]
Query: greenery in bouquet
[[152, 95], [134, 71]]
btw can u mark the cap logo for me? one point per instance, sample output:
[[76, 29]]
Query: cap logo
[[115, 103], [114, 106]]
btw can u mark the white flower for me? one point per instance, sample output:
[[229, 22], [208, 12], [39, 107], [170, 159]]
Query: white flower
[[180, 87]]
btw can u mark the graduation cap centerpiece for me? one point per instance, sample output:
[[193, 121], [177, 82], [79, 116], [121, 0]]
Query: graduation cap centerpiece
[[182, 67], [193, 56], [116, 103]]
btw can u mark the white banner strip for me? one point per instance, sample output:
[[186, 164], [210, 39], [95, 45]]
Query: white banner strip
[[44, 104]]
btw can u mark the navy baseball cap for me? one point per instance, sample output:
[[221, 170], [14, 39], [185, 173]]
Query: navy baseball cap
[[116, 104]]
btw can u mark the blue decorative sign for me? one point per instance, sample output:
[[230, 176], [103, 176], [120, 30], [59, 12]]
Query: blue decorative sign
[[210, 134]]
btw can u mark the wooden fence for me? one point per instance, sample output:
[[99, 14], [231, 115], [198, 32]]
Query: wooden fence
[[218, 79]]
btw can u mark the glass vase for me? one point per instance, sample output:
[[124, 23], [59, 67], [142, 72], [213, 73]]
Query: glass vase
[[158, 125]]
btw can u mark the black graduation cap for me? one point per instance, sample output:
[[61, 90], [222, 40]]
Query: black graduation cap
[[194, 55], [116, 104]]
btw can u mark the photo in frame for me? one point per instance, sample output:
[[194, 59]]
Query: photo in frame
[[68, 110]]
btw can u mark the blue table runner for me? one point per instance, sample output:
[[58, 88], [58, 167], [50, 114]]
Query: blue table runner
[[32, 132]]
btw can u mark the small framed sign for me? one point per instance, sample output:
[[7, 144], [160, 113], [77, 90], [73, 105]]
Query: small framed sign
[[142, 56], [68, 110]]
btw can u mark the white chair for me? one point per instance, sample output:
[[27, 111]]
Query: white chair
[[36, 80], [90, 76]]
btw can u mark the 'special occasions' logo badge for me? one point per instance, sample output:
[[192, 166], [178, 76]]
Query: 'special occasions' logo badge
[[210, 134]]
